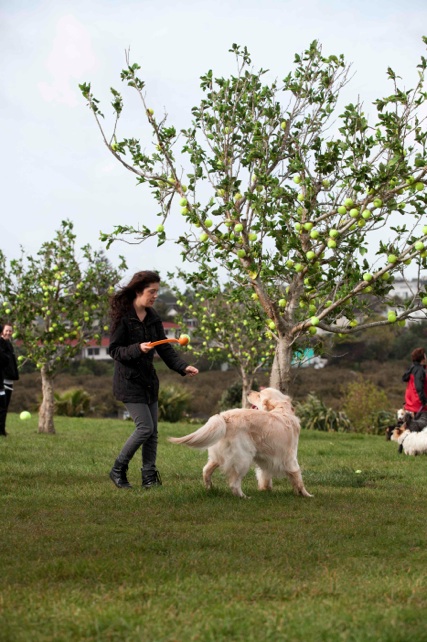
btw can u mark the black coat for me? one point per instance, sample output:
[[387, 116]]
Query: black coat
[[8, 360], [135, 379]]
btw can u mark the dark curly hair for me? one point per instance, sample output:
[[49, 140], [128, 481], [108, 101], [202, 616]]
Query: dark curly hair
[[121, 301], [418, 354]]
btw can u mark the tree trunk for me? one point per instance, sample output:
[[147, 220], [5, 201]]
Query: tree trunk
[[247, 382], [48, 403], [280, 376]]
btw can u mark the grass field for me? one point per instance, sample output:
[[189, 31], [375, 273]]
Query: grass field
[[83, 561]]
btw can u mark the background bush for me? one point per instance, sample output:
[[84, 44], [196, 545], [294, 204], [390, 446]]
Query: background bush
[[365, 404], [173, 403], [75, 402], [315, 415]]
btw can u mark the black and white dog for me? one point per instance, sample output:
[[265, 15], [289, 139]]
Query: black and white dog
[[410, 442]]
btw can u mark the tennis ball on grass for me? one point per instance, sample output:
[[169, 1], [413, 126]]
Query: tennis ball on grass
[[25, 415]]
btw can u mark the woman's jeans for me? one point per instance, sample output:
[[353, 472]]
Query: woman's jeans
[[145, 435]]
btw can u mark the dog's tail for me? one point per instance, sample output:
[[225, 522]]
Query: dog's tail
[[206, 436]]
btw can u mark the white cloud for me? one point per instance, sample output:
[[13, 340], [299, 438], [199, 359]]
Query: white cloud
[[71, 57]]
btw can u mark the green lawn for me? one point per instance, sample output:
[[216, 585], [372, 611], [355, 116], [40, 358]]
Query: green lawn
[[82, 560]]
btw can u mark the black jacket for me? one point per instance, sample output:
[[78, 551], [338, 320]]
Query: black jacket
[[8, 360], [135, 379]]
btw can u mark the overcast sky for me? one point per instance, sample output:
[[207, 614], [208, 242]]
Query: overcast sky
[[54, 164]]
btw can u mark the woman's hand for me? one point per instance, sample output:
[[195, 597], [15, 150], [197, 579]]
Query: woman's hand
[[191, 371], [145, 347]]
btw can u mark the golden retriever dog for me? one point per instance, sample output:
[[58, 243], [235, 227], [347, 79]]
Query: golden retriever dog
[[266, 436]]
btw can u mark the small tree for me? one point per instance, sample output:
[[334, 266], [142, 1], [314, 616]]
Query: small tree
[[227, 330], [363, 404], [282, 191], [56, 306]]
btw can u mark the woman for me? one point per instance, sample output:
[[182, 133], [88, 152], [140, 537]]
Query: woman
[[134, 325], [416, 392], [10, 373]]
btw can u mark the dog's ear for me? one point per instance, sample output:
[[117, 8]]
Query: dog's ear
[[268, 405]]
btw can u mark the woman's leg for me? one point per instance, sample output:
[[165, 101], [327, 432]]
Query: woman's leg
[[144, 428], [149, 448]]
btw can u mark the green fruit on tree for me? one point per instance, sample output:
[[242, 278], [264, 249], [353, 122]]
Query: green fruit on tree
[[419, 246], [308, 226], [282, 303], [283, 125], [238, 196], [271, 325], [289, 263], [366, 214], [377, 202], [150, 111], [419, 186], [300, 197], [332, 243], [160, 228], [392, 258], [185, 211], [203, 237], [326, 182], [299, 267], [424, 229], [310, 255], [424, 300], [252, 236], [367, 277], [238, 227], [354, 213], [312, 330], [333, 233], [314, 234], [241, 253], [348, 202], [314, 320], [342, 210], [208, 222], [183, 202], [297, 179], [298, 226], [392, 317]]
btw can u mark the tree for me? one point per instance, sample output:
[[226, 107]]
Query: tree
[[283, 192], [227, 330], [56, 306]]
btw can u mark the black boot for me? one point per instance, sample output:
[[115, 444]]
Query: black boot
[[151, 478], [118, 475]]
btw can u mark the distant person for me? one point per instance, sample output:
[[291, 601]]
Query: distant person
[[416, 392], [10, 372], [134, 324]]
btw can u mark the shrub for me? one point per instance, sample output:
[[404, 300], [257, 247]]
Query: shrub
[[364, 404], [232, 397], [173, 403], [314, 415], [72, 403]]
